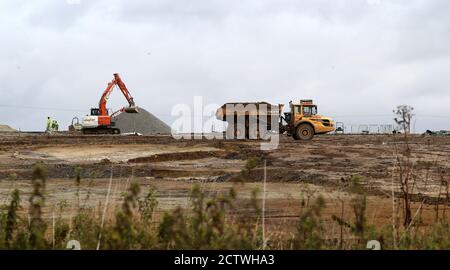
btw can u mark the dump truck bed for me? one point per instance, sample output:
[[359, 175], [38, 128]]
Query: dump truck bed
[[255, 109]]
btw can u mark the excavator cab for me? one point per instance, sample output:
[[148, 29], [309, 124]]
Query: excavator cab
[[95, 111]]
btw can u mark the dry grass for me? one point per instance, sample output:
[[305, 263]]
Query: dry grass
[[212, 221]]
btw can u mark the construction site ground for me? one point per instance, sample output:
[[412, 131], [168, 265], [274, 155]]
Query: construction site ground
[[297, 172]]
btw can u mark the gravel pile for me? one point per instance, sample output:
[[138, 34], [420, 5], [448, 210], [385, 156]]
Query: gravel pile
[[5, 128], [142, 122]]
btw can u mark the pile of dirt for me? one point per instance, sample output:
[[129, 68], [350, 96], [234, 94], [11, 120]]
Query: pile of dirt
[[142, 122], [6, 128]]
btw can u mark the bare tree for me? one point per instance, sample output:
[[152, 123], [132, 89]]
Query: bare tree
[[404, 163], [404, 115]]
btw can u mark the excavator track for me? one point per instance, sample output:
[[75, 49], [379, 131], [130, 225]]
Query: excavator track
[[99, 131]]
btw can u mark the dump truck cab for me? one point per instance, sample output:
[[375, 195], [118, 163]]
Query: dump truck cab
[[303, 121]]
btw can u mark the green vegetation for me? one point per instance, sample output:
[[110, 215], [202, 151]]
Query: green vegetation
[[211, 222]]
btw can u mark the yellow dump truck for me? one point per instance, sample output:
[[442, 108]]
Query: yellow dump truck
[[255, 120]]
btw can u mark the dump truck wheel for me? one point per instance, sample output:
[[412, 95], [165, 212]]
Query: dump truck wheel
[[235, 132], [229, 135], [304, 132], [240, 133], [253, 133], [265, 135]]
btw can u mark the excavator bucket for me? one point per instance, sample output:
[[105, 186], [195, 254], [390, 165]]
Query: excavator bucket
[[131, 109]]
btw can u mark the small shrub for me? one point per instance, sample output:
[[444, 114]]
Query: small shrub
[[147, 205], [12, 218], [123, 235], [309, 233], [37, 226], [206, 227]]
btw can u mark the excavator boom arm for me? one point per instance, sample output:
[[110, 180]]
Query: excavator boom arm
[[124, 89], [105, 96]]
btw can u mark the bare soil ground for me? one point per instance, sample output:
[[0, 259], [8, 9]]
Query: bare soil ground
[[297, 172]]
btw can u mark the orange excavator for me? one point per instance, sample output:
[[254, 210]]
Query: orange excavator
[[99, 121]]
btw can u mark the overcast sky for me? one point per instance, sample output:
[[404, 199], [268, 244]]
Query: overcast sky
[[357, 59]]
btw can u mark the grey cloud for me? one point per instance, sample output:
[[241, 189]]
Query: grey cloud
[[355, 57]]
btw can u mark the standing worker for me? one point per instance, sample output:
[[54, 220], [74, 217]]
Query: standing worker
[[55, 125], [49, 124]]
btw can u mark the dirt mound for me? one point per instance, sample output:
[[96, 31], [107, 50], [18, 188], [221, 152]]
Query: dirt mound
[[6, 128], [143, 122]]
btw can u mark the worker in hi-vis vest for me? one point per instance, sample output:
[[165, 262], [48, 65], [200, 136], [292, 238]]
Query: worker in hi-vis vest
[[49, 124], [55, 125]]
